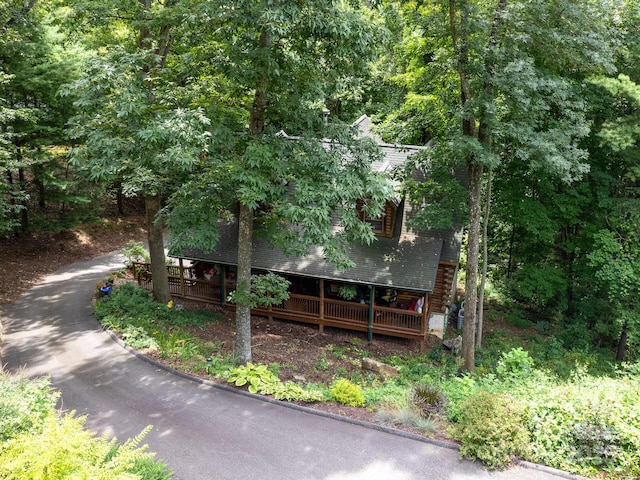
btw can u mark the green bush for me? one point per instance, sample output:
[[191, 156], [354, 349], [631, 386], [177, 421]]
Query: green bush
[[491, 429], [24, 404], [144, 323], [138, 338], [586, 424], [382, 393], [149, 468], [135, 252], [514, 364], [291, 391], [343, 391], [256, 377], [457, 390], [259, 379], [127, 303]]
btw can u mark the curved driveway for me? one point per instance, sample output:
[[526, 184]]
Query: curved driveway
[[203, 431]]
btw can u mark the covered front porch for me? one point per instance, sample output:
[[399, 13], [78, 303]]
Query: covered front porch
[[370, 308]]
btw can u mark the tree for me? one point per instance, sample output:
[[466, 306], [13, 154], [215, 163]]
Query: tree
[[615, 256], [550, 237], [36, 180], [291, 56], [515, 96], [136, 124]]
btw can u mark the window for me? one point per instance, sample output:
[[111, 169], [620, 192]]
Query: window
[[382, 225]]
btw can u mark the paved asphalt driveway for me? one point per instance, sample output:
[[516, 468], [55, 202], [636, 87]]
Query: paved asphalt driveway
[[203, 431]]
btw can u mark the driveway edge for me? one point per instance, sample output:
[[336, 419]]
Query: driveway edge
[[321, 413]]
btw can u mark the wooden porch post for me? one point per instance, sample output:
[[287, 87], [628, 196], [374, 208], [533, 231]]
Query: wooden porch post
[[372, 296], [182, 287], [425, 322], [321, 323]]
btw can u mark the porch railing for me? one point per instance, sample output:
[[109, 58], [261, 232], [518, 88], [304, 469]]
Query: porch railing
[[321, 311]]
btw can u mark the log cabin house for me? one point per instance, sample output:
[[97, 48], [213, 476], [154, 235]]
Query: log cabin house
[[401, 285]]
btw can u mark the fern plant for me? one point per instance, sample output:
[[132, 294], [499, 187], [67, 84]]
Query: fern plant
[[64, 449]]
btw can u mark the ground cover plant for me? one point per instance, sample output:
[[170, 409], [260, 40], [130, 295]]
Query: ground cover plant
[[529, 398], [39, 441]]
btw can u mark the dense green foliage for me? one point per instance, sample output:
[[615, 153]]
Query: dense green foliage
[[146, 324], [134, 252], [181, 101], [38, 188], [24, 406], [37, 441], [491, 428], [260, 379]]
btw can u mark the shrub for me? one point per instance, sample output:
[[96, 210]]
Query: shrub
[[515, 363], [256, 377], [260, 379], [135, 252], [595, 441], [457, 391], [127, 302], [343, 391], [585, 424], [384, 393], [149, 468], [291, 391], [24, 404], [491, 429], [138, 338]]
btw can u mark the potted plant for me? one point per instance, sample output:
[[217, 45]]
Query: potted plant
[[347, 292]]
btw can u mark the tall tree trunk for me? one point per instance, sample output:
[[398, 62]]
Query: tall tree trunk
[[153, 202], [243, 307], [156, 249], [622, 343], [245, 222], [512, 242], [475, 177], [119, 198], [24, 212], [485, 137], [460, 45], [471, 282], [485, 260]]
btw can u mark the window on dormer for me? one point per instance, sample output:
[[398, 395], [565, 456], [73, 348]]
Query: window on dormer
[[382, 225]]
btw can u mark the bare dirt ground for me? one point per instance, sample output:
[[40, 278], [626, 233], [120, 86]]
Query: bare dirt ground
[[30, 257], [303, 354]]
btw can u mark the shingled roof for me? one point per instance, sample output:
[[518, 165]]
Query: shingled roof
[[408, 261]]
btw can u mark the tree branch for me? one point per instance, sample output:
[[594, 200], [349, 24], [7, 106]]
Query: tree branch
[[460, 49], [23, 12]]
